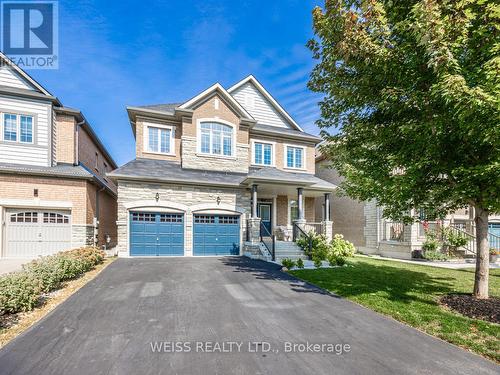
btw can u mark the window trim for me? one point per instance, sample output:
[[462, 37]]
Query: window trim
[[285, 152], [198, 138], [145, 136], [18, 115], [273, 153]]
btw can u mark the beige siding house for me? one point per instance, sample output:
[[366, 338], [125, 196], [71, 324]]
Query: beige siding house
[[363, 224], [217, 175], [54, 192]]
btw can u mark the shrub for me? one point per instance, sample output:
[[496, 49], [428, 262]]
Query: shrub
[[431, 244], [317, 242], [288, 263], [20, 291], [300, 263], [339, 250], [317, 262], [435, 255]]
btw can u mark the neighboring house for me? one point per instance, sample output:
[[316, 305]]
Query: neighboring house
[[215, 175], [54, 192], [363, 224], [346, 214]]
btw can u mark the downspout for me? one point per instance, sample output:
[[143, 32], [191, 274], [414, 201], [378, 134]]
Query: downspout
[[97, 216], [77, 126]]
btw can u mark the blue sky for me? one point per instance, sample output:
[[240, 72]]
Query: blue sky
[[118, 53]]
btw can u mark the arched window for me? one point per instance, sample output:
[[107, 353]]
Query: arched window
[[24, 217], [216, 138]]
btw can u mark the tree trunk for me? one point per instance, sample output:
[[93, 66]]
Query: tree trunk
[[482, 254]]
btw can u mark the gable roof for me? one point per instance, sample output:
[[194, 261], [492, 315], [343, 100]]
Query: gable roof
[[5, 60], [251, 79], [217, 88]]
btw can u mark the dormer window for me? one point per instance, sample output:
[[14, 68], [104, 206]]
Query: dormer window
[[216, 138], [159, 139]]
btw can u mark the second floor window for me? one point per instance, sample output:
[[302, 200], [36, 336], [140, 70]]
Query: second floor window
[[294, 157], [263, 153], [216, 139], [17, 128], [159, 140]]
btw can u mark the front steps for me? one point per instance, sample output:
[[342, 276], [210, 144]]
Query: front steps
[[288, 250]]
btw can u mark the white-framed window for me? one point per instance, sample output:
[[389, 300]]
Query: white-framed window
[[159, 139], [17, 128], [263, 153], [295, 157], [215, 138], [293, 211]]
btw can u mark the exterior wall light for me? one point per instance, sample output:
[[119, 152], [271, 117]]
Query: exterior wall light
[[218, 200], [157, 197]]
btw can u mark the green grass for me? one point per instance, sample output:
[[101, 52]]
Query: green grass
[[409, 293]]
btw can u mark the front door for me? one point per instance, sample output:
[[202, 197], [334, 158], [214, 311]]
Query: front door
[[265, 216]]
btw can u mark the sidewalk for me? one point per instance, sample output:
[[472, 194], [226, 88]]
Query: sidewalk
[[11, 265]]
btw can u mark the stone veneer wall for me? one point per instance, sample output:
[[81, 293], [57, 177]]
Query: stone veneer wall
[[82, 235], [131, 191], [370, 228], [191, 159]]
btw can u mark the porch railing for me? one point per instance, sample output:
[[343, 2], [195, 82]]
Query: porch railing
[[269, 241], [393, 231], [314, 227], [494, 241], [298, 233], [470, 246]]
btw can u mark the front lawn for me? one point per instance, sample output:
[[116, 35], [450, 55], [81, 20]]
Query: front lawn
[[409, 293]]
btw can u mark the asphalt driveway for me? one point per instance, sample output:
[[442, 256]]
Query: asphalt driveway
[[136, 312]]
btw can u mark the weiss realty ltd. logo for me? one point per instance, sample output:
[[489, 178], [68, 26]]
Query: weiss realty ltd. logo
[[29, 33]]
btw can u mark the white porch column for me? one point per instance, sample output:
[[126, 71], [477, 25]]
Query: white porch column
[[300, 203], [254, 221], [326, 224], [254, 202]]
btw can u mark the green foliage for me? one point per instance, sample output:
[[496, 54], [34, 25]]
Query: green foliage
[[18, 292], [318, 262], [435, 255], [431, 244], [454, 239], [300, 263], [21, 291], [412, 98], [335, 252], [288, 263]]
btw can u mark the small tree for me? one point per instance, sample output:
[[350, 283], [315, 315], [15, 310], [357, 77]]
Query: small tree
[[411, 113]]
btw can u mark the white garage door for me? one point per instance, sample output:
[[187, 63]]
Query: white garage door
[[31, 233]]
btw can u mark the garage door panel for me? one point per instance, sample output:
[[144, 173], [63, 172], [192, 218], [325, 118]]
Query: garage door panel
[[156, 234], [216, 235], [33, 233]]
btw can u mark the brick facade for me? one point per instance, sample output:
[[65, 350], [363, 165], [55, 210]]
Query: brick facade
[[65, 138]]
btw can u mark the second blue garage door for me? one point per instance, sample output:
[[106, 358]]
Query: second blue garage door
[[156, 234], [216, 235]]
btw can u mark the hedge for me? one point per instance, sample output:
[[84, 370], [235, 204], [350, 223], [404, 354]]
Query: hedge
[[21, 291]]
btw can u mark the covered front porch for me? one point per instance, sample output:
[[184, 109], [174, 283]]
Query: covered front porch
[[284, 209]]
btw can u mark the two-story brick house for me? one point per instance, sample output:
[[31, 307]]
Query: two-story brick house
[[54, 192], [211, 174]]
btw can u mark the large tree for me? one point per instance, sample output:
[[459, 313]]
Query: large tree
[[411, 113]]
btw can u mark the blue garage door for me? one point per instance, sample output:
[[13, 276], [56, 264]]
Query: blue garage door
[[155, 234], [216, 235]]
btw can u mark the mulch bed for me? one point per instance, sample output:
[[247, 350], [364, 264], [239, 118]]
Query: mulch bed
[[466, 304]]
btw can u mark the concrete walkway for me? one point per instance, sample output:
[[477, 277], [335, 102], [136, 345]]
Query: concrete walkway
[[228, 315], [11, 265]]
